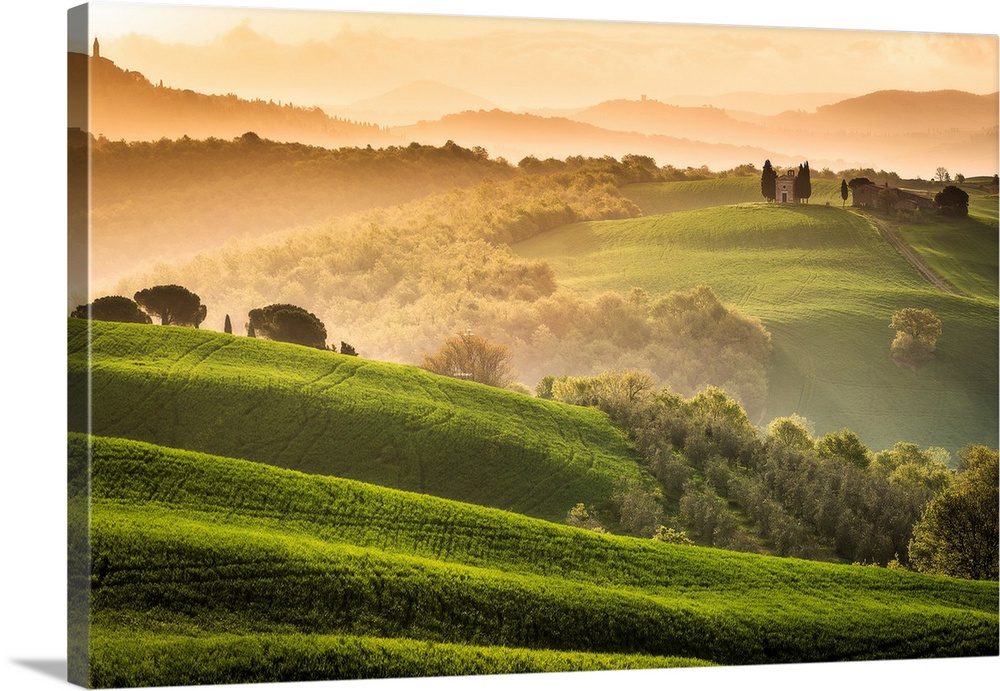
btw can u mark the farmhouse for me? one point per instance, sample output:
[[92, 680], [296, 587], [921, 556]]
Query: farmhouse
[[880, 196], [784, 188]]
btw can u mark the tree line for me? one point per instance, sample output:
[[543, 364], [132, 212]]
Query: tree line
[[175, 305], [722, 482]]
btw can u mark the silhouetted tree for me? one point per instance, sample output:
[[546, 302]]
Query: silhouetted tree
[[228, 328], [347, 349], [942, 175], [843, 192], [173, 304], [113, 308], [471, 357], [802, 185], [953, 201], [289, 324], [767, 178]]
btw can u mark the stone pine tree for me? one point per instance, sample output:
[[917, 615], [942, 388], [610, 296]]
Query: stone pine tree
[[113, 308], [175, 305], [287, 323], [843, 192], [767, 178]]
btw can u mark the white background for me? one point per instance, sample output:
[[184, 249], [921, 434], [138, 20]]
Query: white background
[[32, 381]]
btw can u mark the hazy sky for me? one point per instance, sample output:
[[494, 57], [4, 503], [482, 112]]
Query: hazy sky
[[327, 58]]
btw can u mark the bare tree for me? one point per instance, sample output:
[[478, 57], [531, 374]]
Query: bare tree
[[471, 357]]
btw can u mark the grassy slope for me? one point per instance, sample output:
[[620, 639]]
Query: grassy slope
[[264, 573], [320, 412], [825, 284], [963, 251]]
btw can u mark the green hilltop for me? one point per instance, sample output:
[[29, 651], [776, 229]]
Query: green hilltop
[[825, 284], [321, 412], [264, 574]]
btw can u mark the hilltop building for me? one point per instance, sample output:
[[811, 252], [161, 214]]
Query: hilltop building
[[784, 188], [878, 196]]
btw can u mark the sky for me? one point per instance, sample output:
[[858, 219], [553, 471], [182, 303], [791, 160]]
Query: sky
[[312, 57], [32, 640]]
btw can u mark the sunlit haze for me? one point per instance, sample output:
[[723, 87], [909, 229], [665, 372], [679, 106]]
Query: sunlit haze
[[330, 58]]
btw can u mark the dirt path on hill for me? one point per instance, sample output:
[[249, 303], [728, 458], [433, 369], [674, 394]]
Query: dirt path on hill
[[894, 238]]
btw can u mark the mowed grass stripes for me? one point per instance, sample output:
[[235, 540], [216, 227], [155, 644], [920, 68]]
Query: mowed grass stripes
[[267, 572], [320, 412]]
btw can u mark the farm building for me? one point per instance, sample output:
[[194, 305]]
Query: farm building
[[876, 196], [784, 188]]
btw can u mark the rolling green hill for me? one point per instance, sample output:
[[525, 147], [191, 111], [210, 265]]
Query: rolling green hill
[[218, 570], [825, 285], [320, 412]]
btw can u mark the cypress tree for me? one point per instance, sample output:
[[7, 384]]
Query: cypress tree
[[843, 192], [802, 186], [228, 328], [767, 178]]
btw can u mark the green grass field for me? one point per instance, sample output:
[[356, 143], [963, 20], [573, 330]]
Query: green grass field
[[218, 570], [825, 284], [962, 250], [320, 412]]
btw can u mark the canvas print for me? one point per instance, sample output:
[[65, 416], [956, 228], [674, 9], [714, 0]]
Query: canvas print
[[421, 346]]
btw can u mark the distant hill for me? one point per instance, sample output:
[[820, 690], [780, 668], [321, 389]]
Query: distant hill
[[899, 112], [126, 105], [330, 414], [910, 132], [761, 103], [515, 136], [653, 117], [408, 104]]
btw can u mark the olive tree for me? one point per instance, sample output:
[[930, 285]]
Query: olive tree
[[917, 332], [958, 533]]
